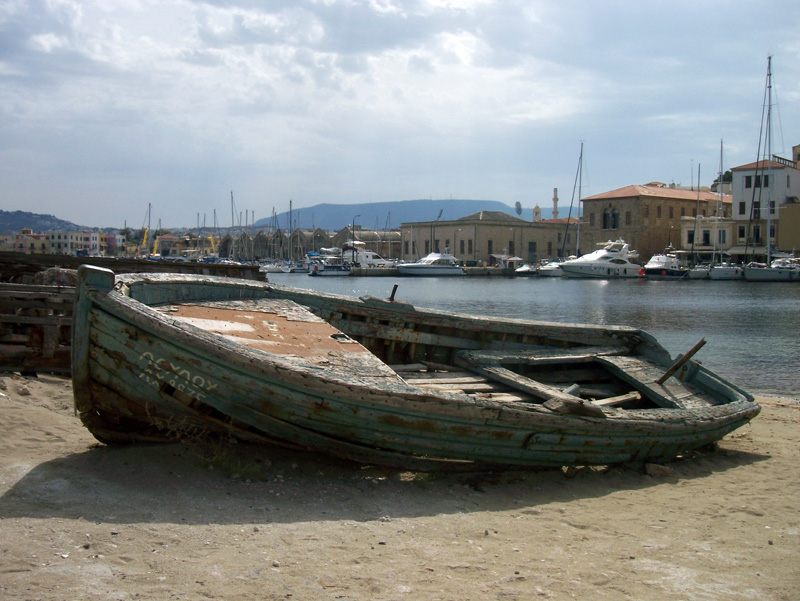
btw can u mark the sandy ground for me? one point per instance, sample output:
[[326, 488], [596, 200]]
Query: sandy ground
[[81, 520]]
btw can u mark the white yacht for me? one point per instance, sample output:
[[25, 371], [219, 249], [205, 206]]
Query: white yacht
[[613, 260], [435, 264]]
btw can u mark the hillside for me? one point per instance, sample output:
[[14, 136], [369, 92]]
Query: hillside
[[330, 217], [11, 222], [388, 215]]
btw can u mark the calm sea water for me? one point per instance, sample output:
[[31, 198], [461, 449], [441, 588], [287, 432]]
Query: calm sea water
[[752, 329]]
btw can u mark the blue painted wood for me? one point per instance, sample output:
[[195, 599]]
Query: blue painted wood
[[142, 375]]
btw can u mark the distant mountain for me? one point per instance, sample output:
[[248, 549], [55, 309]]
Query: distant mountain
[[388, 215], [11, 222]]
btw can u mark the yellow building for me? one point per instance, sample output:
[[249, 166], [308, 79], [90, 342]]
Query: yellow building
[[648, 217], [486, 236]]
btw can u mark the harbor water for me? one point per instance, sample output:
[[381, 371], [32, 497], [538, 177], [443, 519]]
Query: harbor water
[[752, 329]]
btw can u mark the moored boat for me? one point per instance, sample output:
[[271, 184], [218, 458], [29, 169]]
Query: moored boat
[[157, 357], [612, 260], [784, 269], [526, 270], [666, 266], [433, 264], [551, 269], [725, 271]]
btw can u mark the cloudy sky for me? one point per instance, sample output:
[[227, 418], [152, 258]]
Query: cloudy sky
[[108, 106]]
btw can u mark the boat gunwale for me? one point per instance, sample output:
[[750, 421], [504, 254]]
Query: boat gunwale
[[248, 360]]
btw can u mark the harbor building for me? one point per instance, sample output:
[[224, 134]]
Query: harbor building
[[753, 214], [649, 217], [490, 237]]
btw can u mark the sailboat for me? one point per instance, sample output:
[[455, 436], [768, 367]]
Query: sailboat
[[722, 270], [783, 269], [553, 268]]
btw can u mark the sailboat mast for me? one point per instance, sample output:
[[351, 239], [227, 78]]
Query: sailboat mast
[[580, 184], [769, 181]]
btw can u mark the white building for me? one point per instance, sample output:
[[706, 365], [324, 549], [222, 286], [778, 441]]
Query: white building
[[760, 191]]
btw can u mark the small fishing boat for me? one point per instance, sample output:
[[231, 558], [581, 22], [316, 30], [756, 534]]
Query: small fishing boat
[[434, 264], [162, 357]]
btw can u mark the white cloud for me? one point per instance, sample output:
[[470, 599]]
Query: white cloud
[[111, 103]]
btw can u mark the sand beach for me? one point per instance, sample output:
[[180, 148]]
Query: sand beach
[[80, 520]]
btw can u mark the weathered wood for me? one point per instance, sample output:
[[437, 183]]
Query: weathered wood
[[136, 369], [680, 362], [35, 327], [574, 407], [615, 401]]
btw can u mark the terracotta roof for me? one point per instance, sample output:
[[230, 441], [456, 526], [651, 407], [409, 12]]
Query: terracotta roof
[[762, 164], [658, 191], [490, 216]]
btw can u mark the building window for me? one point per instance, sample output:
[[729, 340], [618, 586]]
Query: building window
[[671, 212], [771, 207], [491, 247], [628, 217], [690, 236], [405, 246], [559, 236], [427, 247], [722, 236], [615, 219], [606, 220], [748, 181], [531, 251], [742, 208], [461, 244], [757, 208], [469, 246], [771, 231], [550, 249], [645, 211], [742, 232], [658, 212], [706, 238], [511, 247], [683, 211]]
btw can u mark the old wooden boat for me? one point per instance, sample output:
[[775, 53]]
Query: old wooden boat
[[378, 381]]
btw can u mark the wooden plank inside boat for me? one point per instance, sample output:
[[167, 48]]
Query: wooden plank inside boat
[[280, 327]]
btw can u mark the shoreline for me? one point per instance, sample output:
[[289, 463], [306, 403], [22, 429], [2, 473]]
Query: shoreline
[[82, 520]]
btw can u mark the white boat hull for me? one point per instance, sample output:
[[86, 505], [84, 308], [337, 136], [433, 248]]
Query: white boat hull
[[725, 272], [629, 270], [429, 270], [772, 274]]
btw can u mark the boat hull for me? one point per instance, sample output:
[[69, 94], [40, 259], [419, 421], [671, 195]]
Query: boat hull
[[772, 274], [600, 271], [140, 374], [665, 274], [725, 272], [413, 269]]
